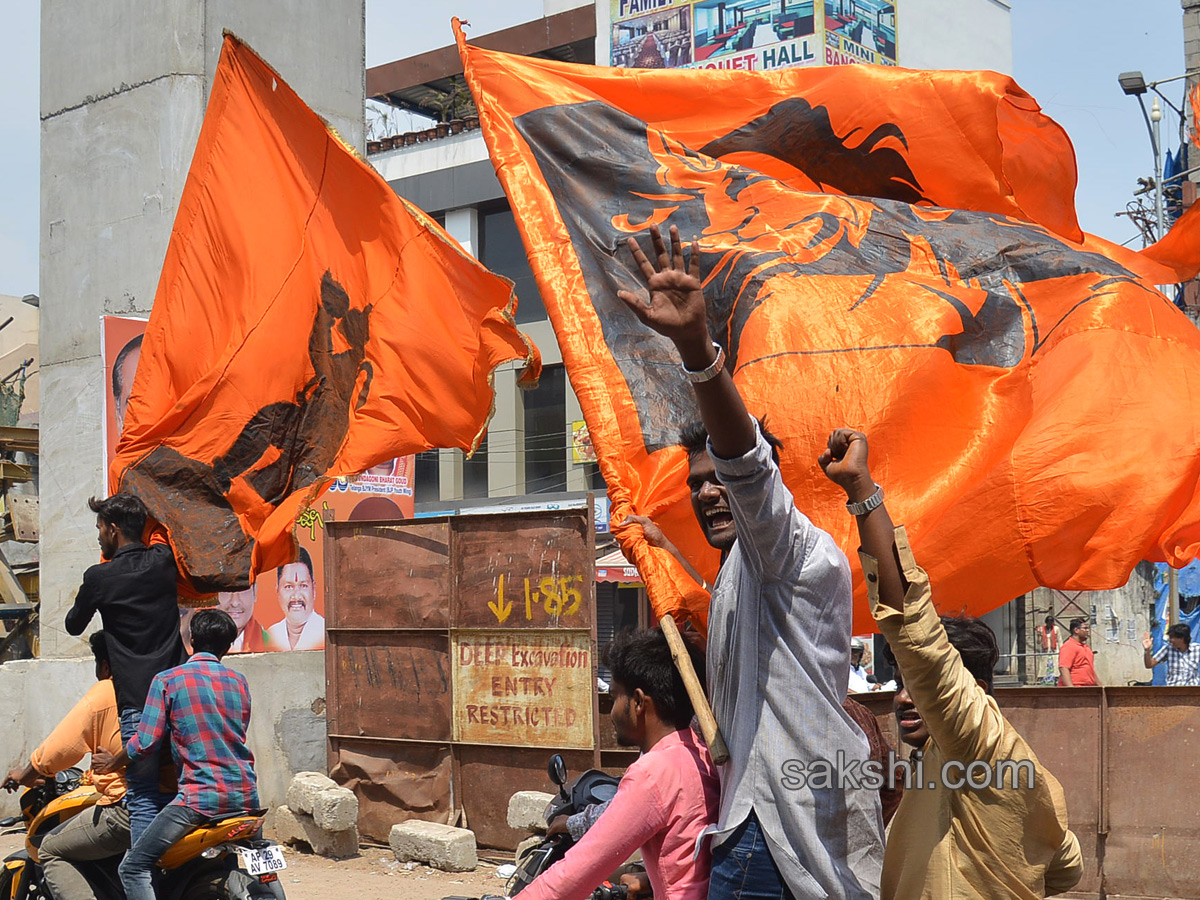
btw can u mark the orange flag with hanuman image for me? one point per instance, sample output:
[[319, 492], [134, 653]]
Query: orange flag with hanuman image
[[308, 324], [886, 249]]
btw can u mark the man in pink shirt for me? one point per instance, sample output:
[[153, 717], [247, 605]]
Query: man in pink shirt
[[665, 799]]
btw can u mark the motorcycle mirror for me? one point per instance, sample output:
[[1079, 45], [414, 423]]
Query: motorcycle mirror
[[557, 770]]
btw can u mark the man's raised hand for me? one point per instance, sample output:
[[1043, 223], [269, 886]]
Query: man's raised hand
[[674, 305], [845, 463]]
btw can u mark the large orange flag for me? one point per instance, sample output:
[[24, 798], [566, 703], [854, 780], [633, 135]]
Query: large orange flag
[[881, 248], [308, 324]]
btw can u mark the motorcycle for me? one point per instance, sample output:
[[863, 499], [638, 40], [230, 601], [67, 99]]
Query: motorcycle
[[220, 859], [592, 787]]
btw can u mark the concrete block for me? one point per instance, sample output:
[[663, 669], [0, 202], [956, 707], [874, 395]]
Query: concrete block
[[525, 845], [335, 809], [288, 827], [440, 846], [304, 788], [527, 810], [298, 828]]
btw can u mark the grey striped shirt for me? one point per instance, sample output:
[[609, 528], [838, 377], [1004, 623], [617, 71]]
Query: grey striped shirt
[[778, 663]]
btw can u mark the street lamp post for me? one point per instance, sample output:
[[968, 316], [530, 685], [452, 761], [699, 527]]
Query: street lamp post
[[1134, 85], [1156, 139]]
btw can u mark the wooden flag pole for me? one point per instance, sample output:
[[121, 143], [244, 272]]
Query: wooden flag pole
[[683, 662]]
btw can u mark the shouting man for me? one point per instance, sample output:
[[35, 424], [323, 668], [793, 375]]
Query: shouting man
[[1003, 837], [779, 629]]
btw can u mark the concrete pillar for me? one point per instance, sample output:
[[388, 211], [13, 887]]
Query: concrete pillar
[[506, 437], [450, 474], [119, 124], [463, 225]]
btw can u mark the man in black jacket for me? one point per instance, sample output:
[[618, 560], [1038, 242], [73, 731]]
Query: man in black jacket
[[134, 592]]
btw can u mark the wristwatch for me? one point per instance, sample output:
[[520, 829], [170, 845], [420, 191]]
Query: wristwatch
[[709, 373], [865, 506]]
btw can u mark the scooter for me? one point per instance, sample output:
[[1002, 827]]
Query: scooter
[[221, 859], [592, 787]]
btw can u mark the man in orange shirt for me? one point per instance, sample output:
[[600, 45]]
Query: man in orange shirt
[[1075, 660], [103, 830]]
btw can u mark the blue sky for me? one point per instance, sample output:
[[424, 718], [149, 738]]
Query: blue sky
[[1066, 53]]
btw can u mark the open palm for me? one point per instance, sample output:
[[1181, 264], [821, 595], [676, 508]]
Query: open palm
[[674, 302]]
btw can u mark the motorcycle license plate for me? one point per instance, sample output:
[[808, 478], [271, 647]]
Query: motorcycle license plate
[[261, 861]]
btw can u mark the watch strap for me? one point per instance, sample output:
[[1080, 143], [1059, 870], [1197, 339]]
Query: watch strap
[[863, 507], [709, 372]]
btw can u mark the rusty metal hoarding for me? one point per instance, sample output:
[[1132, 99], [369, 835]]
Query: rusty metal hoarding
[[1125, 758], [461, 654], [524, 690]]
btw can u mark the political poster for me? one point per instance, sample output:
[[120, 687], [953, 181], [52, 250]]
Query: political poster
[[121, 347]]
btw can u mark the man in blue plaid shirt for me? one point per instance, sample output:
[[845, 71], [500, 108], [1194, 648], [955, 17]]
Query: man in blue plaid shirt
[[204, 708], [1183, 659]]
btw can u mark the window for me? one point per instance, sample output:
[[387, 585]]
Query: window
[[546, 442], [475, 473], [595, 480], [427, 488], [617, 608], [501, 251]]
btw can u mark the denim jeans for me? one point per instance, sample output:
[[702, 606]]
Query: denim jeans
[[137, 867], [142, 796], [742, 867]]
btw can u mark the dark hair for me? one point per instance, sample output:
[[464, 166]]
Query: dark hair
[[99, 647], [118, 382], [975, 642], [124, 511], [303, 558], [1075, 623], [1049, 620], [1181, 630], [213, 631], [642, 659], [694, 439]]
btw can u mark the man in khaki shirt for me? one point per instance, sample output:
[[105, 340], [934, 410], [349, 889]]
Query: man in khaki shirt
[[951, 840], [102, 830]]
